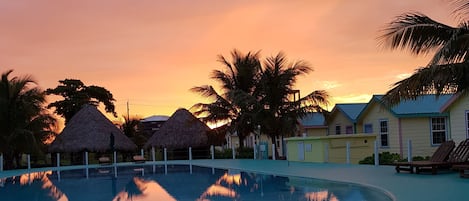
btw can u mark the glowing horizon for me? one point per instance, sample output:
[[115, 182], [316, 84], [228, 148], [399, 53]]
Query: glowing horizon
[[150, 53]]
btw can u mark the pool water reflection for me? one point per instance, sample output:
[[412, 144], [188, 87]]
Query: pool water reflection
[[204, 184]]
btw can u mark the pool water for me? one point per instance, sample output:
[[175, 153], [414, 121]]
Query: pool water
[[203, 184]]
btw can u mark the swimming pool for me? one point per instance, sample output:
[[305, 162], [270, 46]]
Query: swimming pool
[[203, 184]]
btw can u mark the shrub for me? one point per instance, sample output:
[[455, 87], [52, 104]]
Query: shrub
[[240, 153], [385, 158]]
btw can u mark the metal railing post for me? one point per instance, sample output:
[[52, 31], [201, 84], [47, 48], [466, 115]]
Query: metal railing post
[[86, 164], [273, 151], [409, 150], [29, 161], [153, 158], [190, 159], [326, 153], [348, 152], [58, 166], [233, 152], [165, 161], [376, 153], [212, 152]]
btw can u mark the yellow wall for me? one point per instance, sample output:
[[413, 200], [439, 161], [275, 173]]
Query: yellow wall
[[316, 131], [458, 118], [338, 118], [331, 148], [373, 115], [418, 131]]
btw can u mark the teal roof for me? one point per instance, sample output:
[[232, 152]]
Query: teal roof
[[425, 105], [351, 110], [313, 119]]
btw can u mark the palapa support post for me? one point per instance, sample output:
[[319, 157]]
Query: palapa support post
[[58, 166], [86, 164], [190, 159], [153, 158], [409, 150], [348, 153], [376, 153], [165, 155]]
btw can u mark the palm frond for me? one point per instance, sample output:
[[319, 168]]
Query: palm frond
[[416, 32], [436, 79]]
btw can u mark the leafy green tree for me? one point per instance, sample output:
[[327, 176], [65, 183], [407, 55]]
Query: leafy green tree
[[448, 70], [238, 80], [76, 94], [279, 115], [24, 123]]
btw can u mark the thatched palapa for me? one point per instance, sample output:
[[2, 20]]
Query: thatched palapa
[[182, 130], [90, 130]]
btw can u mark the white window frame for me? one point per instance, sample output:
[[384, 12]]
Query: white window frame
[[384, 133], [432, 130]]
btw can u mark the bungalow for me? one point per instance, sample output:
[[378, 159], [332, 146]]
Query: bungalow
[[343, 119], [421, 120], [314, 124]]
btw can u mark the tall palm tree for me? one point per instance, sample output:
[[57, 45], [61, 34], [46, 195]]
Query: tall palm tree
[[24, 122], [76, 94], [235, 104], [447, 71], [279, 114]]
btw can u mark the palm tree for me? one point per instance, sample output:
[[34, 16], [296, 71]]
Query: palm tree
[[76, 94], [24, 123], [235, 104], [279, 114], [130, 128], [447, 71]]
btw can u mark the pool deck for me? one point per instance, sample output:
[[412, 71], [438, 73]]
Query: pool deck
[[445, 186]]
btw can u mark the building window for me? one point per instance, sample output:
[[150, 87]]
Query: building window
[[384, 132], [368, 128], [438, 130], [337, 129], [348, 129]]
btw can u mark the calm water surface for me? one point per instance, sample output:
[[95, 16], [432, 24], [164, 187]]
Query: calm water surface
[[204, 184]]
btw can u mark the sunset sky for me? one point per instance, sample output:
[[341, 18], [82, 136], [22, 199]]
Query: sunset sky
[[151, 52]]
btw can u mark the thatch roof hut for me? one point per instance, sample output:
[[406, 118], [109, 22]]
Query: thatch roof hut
[[180, 131], [90, 130]]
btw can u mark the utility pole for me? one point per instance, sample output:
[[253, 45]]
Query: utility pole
[[128, 111]]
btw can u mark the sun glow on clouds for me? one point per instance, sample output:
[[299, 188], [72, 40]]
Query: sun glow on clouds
[[352, 98], [403, 76]]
